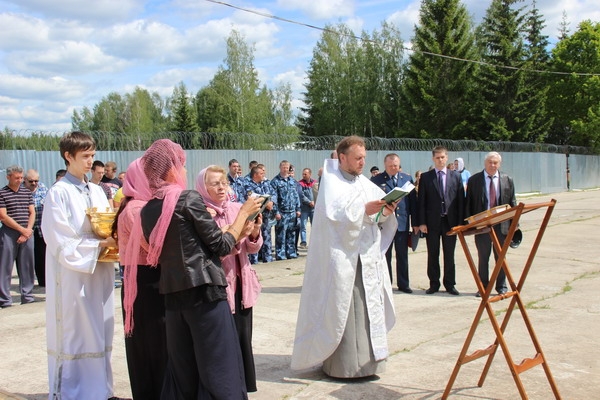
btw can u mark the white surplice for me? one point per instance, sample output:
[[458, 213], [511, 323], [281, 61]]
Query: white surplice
[[79, 296], [341, 232]]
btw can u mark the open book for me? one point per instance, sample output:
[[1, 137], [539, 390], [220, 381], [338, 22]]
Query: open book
[[398, 193], [265, 199]]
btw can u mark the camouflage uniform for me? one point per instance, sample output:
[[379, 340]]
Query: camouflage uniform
[[287, 204], [237, 188], [261, 188]]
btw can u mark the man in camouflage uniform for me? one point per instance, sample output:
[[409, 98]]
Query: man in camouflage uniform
[[257, 184], [236, 183], [287, 209]]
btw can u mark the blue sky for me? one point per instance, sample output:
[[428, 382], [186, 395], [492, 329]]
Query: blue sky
[[61, 55]]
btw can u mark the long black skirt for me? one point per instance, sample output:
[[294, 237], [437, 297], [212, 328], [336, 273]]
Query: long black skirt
[[243, 325], [146, 349]]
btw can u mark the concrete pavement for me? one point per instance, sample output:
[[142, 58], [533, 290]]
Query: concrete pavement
[[561, 296]]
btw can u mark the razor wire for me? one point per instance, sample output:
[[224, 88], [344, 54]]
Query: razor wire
[[116, 141]]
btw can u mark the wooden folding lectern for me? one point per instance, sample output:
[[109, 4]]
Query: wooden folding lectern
[[484, 225]]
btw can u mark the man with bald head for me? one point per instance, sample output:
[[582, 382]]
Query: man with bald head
[[38, 191]]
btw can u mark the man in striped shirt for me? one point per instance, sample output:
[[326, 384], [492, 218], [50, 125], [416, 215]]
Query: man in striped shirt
[[17, 214]]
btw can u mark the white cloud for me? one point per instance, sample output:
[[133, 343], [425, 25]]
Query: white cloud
[[77, 58], [141, 39], [6, 100], [320, 9], [295, 77], [19, 32], [36, 117], [52, 89], [406, 19], [96, 11], [194, 79]]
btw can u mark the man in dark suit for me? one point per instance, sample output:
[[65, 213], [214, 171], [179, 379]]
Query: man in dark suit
[[406, 211], [440, 207], [488, 189]]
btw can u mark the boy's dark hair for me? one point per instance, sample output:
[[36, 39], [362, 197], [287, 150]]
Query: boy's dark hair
[[74, 142]]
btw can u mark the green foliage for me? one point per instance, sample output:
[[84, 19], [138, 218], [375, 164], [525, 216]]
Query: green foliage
[[437, 92], [573, 99], [353, 84], [511, 100], [183, 117], [235, 101]]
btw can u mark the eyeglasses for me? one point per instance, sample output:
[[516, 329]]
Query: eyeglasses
[[33, 180]]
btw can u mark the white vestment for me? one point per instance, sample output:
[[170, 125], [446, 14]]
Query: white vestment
[[79, 296], [341, 232]]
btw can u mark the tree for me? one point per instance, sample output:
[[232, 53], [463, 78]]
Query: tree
[[183, 117], [353, 84], [328, 81], [235, 100], [436, 97], [143, 117], [505, 104], [573, 99], [82, 121], [534, 95]]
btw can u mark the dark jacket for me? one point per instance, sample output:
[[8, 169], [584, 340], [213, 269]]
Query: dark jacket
[[406, 211], [477, 199], [430, 204], [193, 244]]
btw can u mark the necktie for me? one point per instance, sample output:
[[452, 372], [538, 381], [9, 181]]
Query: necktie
[[441, 186], [394, 180], [492, 192]]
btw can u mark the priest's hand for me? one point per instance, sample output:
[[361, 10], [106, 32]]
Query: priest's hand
[[373, 207]]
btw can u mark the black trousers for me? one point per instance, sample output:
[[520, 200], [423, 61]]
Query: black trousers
[[39, 257], [205, 361], [484, 246], [400, 243], [433, 256], [146, 348], [243, 325]]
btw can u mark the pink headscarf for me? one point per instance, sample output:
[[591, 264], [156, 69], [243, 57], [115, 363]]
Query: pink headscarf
[[137, 189], [208, 200], [163, 164]]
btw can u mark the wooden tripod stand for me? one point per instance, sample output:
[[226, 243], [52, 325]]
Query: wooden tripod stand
[[483, 226]]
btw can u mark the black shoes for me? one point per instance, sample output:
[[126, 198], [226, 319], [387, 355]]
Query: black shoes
[[405, 290], [453, 291], [431, 290]]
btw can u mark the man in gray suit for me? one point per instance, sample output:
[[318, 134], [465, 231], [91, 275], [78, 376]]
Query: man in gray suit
[[440, 207], [406, 212], [488, 189]]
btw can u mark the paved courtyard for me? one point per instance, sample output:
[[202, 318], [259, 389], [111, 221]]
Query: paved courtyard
[[562, 297]]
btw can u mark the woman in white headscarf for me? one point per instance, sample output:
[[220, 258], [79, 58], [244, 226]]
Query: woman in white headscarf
[[459, 166]]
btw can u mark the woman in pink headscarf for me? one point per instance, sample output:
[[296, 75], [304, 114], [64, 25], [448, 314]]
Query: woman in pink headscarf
[[143, 305], [188, 244], [243, 286]]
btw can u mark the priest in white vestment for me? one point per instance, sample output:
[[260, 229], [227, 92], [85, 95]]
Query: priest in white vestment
[[79, 290], [346, 306]]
